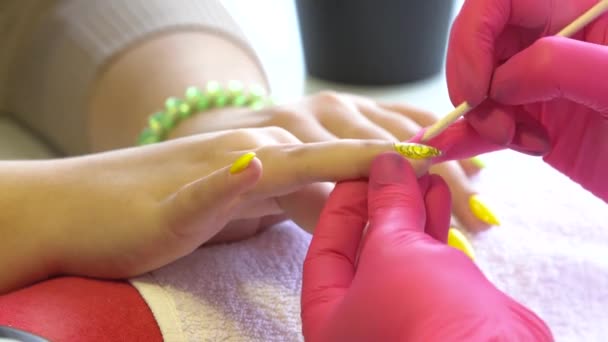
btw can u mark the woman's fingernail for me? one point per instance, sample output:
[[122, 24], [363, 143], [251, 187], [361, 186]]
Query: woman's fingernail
[[457, 240], [242, 162], [478, 162], [482, 212], [416, 151]]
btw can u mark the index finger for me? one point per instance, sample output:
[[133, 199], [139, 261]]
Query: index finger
[[459, 141], [474, 35], [289, 167]]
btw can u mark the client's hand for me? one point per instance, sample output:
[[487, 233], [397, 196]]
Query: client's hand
[[125, 212], [328, 116], [400, 282]]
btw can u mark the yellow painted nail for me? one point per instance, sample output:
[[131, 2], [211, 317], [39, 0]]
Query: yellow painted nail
[[416, 151], [482, 212], [242, 162], [478, 162], [457, 240]]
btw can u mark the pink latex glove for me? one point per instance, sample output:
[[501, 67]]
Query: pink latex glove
[[408, 285], [546, 96]]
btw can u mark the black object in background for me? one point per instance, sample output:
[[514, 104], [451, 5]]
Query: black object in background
[[374, 42]]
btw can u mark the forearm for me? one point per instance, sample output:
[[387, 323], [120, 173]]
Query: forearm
[[131, 54], [26, 216], [136, 84]]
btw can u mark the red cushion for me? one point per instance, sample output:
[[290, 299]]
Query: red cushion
[[80, 309]]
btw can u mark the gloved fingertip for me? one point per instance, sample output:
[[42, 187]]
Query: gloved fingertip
[[459, 141], [476, 93], [531, 139], [493, 122], [395, 203], [466, 81], [389, 168]]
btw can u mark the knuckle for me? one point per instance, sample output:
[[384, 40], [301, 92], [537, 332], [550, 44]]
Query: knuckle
[[246, 136], [281, 135], [368, 144], [283, 154], [546, 54], [358, 130], [329, 97], [294, 150], [287, 117], [426, 118], [283, 115]]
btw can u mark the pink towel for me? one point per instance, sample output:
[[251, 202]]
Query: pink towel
[[551, 253]]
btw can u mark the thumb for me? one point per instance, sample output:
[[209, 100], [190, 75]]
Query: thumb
[[394, 198], [199, 210]]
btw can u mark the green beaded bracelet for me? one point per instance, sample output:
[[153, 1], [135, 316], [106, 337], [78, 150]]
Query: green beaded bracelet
[[214, 95]]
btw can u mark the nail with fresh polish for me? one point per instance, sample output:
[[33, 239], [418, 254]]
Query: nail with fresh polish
[[478, 162], [482, 212], [416, 151], [242, 162], [457, 240]]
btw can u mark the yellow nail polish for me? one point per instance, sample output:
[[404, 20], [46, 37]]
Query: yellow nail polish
[[457, 240], [242, 162], [416, 151], [482, 212], [478, 162]]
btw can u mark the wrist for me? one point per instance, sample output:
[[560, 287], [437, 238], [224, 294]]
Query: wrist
[[210, 121], [202, 110], [29, 223]]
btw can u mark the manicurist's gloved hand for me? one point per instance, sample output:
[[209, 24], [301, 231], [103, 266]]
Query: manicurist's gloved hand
[[544, 95], [400, 281]]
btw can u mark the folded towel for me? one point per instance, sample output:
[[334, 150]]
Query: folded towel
[[550, 253], [246, 291]]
